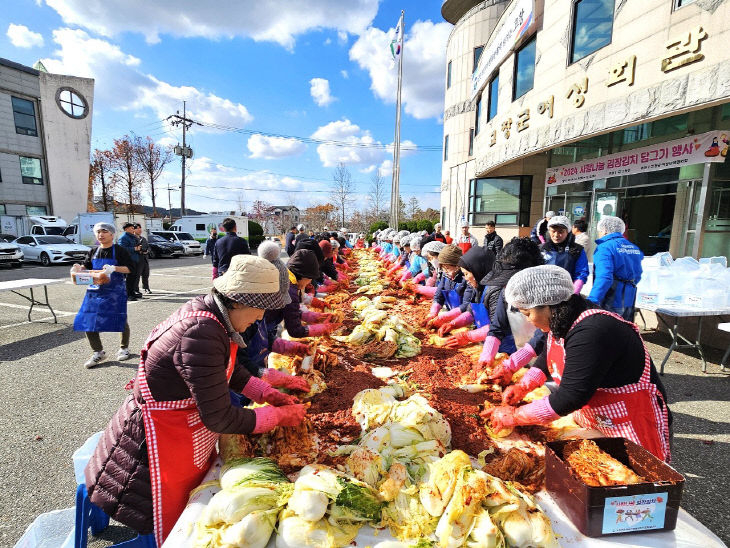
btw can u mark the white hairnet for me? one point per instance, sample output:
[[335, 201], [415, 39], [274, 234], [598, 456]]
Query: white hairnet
[[559, 220], [609, 224], [405, 240], [539, 286], [335, 244], [550, 214], [416, 244], [462, 224], [105, 226], [397, 238], [300, 227], [437, 226], [434, 247]]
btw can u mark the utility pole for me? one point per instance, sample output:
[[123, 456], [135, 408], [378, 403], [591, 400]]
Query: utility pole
[[184, 151]]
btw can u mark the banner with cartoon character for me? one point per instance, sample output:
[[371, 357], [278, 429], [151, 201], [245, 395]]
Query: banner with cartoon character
[[693, 149], [634, 513]]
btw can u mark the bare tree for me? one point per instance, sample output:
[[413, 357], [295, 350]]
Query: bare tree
[[414, 208], [126, 169], [342, 190], [152, 159], [377, 195], [101, 178]]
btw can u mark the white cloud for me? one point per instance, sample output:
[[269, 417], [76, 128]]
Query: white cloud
[[270, 148], [320, 91], [345, 74], [424, 60], [121, 84], [362, 152], [22, 37], [279, 21]]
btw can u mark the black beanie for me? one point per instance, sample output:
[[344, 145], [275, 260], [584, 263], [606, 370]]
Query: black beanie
[[303, 264], [478, 261], [313, 246]]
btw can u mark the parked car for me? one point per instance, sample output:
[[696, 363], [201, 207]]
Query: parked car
[[190, 244], [7, 238], [160, 247], [10, 254], [51, 249]]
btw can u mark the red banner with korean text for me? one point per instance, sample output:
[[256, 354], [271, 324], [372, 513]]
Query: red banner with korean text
[[693, 149]]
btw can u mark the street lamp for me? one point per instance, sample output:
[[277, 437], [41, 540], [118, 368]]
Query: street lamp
[[169, 201]]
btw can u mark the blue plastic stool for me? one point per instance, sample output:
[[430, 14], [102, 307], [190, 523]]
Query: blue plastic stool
[[90, 516]]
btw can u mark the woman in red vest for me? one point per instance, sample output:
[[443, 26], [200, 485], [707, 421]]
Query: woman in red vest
[[603, 370]]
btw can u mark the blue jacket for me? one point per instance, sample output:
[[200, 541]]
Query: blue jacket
[[616, 271], [418, 264], [569, 255], [447, 284], [209, 245], [290, 243], [226, 248], [129, 242]]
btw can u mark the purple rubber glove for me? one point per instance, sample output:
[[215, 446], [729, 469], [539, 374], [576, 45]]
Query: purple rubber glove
[[577, 286], [262, 392], [532, 379], [284, 380], [319, 329], [502, 374], [289, 348], [268, 417], [489, 350]]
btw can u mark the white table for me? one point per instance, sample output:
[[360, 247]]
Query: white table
[[689, 533], [677, 312], [14, 286]]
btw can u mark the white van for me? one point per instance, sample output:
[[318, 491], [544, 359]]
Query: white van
[[199, 226], [190, 244]]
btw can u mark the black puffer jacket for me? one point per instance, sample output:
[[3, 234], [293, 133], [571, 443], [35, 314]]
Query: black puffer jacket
[[188, 359]]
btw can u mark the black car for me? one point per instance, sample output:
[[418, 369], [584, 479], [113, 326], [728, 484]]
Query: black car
[[160, 247], [7, 238]]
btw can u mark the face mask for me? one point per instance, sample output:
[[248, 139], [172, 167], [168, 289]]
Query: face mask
[[434, 263]]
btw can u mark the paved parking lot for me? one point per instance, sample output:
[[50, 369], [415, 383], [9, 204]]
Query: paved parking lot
[[51, 404]]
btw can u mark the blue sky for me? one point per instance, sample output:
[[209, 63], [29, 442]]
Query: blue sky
[[307, 68]]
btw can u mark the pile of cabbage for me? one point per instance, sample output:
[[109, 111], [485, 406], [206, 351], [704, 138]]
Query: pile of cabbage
[[369, 277], [380, 325]]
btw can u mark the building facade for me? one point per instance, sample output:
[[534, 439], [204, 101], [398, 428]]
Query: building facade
[[590, 108], [280, 219], [45, 139]]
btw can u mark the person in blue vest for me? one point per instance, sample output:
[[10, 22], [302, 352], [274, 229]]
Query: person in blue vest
[[616, 269], [132, 245], [451, 285], [105, 305], [560, 249]]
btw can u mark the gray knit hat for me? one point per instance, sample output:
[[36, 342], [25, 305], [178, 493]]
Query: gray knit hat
[[539, 286], [450, 255], [559, 220], [271, 251], [610, 224], [252, 281]]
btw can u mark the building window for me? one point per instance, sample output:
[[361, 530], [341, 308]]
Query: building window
[[36, 210], [477, 54], [493, 97], [471, 142], [524, 77], [72, 103], [592, 27], [2, 209], [446, 148], [24, 114], [478, 114], [30, 171], [448, 75], [680, 3], [504, 200]]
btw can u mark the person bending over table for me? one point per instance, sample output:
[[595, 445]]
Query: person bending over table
[[603, 370]]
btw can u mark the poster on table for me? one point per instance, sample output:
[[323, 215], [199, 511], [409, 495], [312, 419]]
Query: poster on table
[[693, 149]]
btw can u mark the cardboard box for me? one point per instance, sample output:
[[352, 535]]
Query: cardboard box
[[90, 277], [599, 511]]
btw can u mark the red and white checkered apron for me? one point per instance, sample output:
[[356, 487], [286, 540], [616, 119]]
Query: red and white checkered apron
[[631, 411], [179, 447]]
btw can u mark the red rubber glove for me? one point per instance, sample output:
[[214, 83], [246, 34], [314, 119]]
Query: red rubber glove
[[515, 393], [318, 303], [319, 329], [465, 338], [284, 380], [261, 392], [289, 348], [268, 417]]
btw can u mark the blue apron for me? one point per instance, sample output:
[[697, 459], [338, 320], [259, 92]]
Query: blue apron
[[256, 349], [452, 297], [105, 306], [479, 311]]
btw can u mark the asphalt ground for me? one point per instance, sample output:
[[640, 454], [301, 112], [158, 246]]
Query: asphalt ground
[[50, 404]]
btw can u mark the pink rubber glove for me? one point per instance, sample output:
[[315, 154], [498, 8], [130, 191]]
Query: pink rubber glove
[[262, 392], [327, 288], [378, 249], [215, 272], [284, 380], [541, 238], [392, 270], [319, 329], [315, 317], [432, 281], [426, 291], [407, 275], [467, 337], [462, 320], [532, 379], [445, 317], [269, 417], [489, 350], [577, 286], [504, 416], [342, 277], [435, 307], [289, 348], [502, 374], [418, 279]]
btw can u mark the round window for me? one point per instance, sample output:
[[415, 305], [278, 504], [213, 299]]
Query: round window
[[72, 103]]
